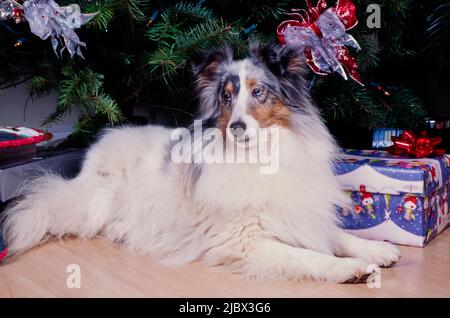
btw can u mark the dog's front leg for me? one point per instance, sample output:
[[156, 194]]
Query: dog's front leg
[[270, 259], [374, 252]]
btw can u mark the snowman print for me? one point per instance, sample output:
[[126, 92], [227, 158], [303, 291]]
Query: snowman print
[[410, 206], [367, 201]]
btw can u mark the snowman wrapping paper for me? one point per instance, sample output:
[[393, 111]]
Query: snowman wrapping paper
[[393, 198]]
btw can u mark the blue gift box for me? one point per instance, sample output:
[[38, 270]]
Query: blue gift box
[[393, 198], [382, 137]]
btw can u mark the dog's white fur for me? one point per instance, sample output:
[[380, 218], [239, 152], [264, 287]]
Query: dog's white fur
[[279, 226]]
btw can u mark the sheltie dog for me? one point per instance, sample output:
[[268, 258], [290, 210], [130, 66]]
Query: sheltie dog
[[281, 224]]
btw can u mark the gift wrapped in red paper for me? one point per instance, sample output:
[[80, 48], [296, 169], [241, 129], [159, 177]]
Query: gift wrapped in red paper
[[20, 141]]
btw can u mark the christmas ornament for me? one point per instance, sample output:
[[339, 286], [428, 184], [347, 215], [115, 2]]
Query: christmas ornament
[[17, 15], [11, 9], [321, 34], [417, 146], [48, 19], [6, 9]]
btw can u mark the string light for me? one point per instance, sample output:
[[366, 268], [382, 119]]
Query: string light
[[250, 29], [380, 88], [156, 13], [153, 17], [20, 42]]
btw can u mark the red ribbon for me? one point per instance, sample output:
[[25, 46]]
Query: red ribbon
[[346, 12], [419, 146]]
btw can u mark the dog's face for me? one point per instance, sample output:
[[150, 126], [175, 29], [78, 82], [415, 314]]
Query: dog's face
[[242, 96]]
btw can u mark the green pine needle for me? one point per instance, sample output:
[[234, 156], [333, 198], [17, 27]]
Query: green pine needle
[[190, 11], [40, 86], [83, 90]]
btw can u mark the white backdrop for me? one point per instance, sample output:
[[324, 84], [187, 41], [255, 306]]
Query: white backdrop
[[12, 103]]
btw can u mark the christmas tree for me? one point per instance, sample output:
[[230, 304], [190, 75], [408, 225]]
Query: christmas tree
[[138, 54]]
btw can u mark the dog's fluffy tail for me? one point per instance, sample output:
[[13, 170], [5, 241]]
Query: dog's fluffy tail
[[50, 206]]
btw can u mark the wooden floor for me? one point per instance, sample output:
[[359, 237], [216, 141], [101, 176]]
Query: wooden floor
[[108, 271]]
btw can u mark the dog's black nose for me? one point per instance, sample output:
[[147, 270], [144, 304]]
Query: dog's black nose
[[238, 128]]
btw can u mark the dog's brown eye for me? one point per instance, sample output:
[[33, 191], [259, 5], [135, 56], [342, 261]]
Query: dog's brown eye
[[227, 97], [257, 92]]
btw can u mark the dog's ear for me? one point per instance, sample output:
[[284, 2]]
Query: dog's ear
[[280, 61], [205, 66], [292, 61], [267, 55]]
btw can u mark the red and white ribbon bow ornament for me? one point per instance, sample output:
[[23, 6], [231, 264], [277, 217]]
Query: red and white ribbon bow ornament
[[321, 33]]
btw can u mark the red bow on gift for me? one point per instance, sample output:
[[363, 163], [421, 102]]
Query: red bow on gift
[[321, 34], [419, 146]]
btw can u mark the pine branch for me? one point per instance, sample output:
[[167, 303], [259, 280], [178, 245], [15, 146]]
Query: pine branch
[[165, 63], [204, 35], [104, 105], [368, 56], [400, 9], [163, 33], [187, 11], [406, 109], [170, 58], [40, 86], [136, 9], [437, 35], [264, 10], [352, 101], [83, 90], [174, 18], [103, 18]]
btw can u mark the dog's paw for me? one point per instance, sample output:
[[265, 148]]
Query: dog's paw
[[380, 253], [349, 270]]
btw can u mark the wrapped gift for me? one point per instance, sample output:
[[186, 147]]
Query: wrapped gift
[[382, 137], [20, 141], [3, 249], [393, 198]]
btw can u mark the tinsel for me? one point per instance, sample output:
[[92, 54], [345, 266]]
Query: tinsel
[[49, 20]]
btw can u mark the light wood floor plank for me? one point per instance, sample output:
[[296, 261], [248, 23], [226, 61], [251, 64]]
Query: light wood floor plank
[[109, 271]]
